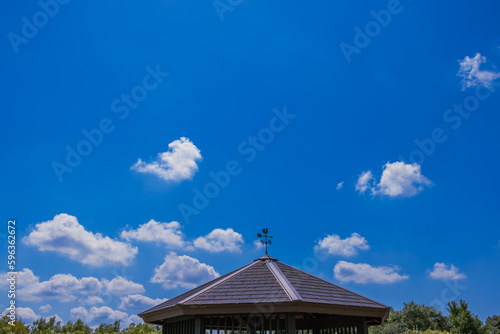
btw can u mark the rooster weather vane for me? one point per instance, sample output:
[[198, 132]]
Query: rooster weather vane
[[266, 237]]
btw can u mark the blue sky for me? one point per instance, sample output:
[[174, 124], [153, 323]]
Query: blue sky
[[282, 101]]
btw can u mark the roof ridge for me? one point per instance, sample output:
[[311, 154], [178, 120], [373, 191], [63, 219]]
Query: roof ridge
[[338, 286], [211, 286], [292, 294]]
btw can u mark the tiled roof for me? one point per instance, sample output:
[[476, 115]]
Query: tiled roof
[[266, 280]]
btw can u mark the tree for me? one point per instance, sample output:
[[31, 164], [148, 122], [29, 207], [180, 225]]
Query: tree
[[79, 327], [462, 320], [18, 328], [142, 329], [413, 317], [42, 326], [492, 325], [421, 317]]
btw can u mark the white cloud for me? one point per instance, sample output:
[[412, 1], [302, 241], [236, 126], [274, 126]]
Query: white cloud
[[364, 273], [398, 180], [364, 181], [153, 231], [444, 272], [183, 271], [45, 308], [220, 240], [64, 235], [340, 185], [139, 302], [349, 246], [258, 244], [62, 287], [177, 164], [472, 76], [28, 315], [23, 278], [103, 315], [120, 286]]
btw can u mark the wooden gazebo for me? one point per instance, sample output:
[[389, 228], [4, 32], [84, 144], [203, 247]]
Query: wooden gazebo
[[267, 297]]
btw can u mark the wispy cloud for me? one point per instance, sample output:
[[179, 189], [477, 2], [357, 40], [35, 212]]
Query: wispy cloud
[[349, 246], [472, 76], [398, 180], [340, 185], [363, 273], [64, 235], [176, 164], [446, 272]]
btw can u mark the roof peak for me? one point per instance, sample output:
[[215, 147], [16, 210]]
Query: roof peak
[[266, 257]]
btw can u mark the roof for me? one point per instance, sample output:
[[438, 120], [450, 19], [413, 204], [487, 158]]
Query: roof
[[264, 281]]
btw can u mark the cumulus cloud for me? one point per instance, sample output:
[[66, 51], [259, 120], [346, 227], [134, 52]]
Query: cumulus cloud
[[349, 246], [398, 180], [183, 271], [120, 286], [68, 288], [62, 287], [340, 185], [220, 240], [28, 315], [139, 302], [64, 235], [103, 315], [153, 231], [177, 164], [472, 76], [23, 278], [364, 273], [45, 308], [446, 272]]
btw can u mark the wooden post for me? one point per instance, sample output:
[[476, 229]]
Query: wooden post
[[164, 328], [290, 323], [363, 327], [198, 325]]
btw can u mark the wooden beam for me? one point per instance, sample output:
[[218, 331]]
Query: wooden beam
[[290, 323]]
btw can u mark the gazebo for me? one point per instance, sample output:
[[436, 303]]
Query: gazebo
[[267, 297]]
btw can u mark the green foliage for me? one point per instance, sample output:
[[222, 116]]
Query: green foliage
[[50, 326], [413, 317], [427, 331], [492, 325], [18, 328], [42, 326], [462, 320]]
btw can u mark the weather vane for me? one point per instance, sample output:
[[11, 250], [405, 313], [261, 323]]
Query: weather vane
[[266, 242]]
